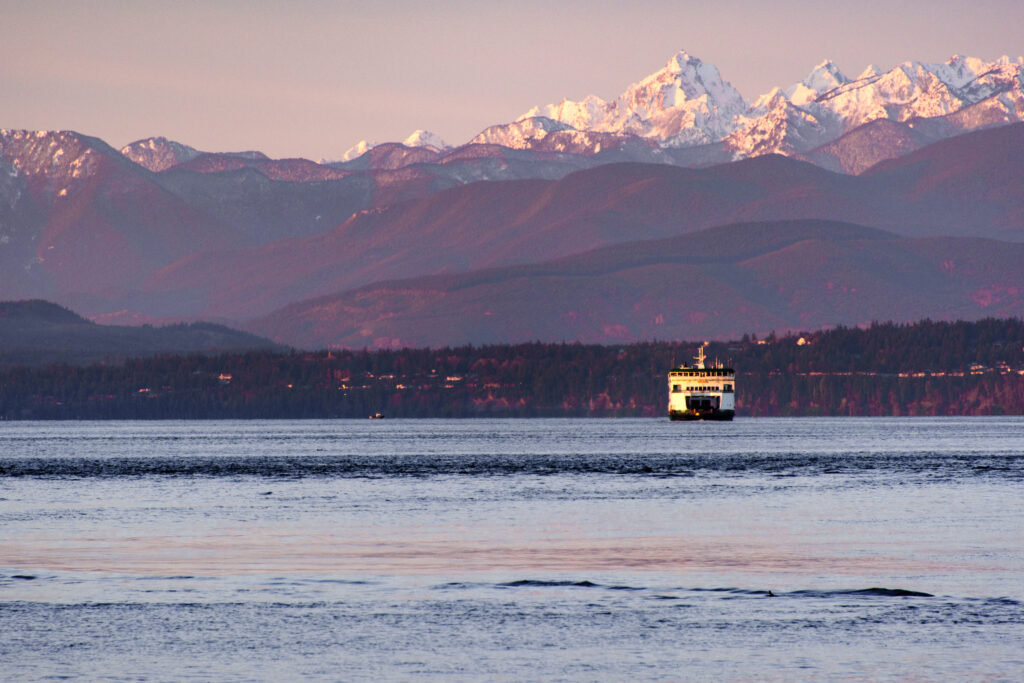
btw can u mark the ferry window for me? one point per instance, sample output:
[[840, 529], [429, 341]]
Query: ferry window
[[728, 387]]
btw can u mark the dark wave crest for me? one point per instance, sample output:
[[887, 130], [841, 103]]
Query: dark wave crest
[[936, 466], [863, 592]]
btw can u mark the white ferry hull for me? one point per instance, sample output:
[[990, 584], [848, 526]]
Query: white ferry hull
[[711, 414], [701, 392]]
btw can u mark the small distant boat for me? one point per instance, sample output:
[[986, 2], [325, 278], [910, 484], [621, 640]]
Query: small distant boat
[[377, 416], [701, 393]]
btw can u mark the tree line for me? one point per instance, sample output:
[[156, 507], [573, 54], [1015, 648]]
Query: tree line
[[925, 368]]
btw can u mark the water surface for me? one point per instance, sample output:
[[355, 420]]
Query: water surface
[[775, 549]]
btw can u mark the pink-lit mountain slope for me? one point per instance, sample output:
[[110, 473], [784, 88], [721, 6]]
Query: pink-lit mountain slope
[[82, 224], [982, 171], [718, 283], [497, 223], [273, 199], [869, 144], [80, 217], [516, 222]]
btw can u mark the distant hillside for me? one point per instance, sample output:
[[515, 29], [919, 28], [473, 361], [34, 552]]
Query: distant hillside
[[871, 143], [714, 284], [39, 332]]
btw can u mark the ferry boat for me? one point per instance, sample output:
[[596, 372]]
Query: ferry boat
[[699, 392]]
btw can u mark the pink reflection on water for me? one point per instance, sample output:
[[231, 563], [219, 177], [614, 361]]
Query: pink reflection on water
[[442, 551]]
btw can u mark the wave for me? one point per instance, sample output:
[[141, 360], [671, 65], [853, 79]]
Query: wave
[[727, 592], [545, 584], [413, 465], [863, 592]]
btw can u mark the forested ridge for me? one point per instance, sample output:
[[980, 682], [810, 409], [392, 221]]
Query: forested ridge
[[926, 368]]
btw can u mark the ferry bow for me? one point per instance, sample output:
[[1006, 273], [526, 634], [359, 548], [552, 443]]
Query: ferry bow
[[701, 393]]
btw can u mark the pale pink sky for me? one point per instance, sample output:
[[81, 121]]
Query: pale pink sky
[[312, 77]]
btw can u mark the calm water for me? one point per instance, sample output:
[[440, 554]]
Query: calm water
[[763, 549]]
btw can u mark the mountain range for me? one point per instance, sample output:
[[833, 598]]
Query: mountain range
[[687, 104], [393, 245]]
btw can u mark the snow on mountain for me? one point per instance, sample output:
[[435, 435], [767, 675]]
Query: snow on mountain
[[85, 219], [357, 150], [915, 90], [959, 70], [765, 103], [418, 138], [687, 103], [542, 134], [158, 154], [997, 78], [778, 127], [55, 162], [826, 76], [910, 90], [870, 71], [684, 103], [424, 138], [963, 93], [520, 133]]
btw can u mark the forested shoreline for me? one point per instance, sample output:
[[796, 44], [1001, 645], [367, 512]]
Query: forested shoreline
[[925, 368]]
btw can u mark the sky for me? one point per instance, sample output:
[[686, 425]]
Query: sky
[[311, 78]]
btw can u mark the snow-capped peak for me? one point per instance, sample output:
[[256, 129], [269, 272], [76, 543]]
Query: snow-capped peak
[[766, 102], [685, 102], [682, 57], [958, 70], [870, 71], [159, 153], [424, 138], [826, 75], [520, 132], [823, 78], [680, 62], [684, 78], [418, 138], [357, 150]]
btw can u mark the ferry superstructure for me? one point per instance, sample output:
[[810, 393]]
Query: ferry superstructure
[[699, 392]]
